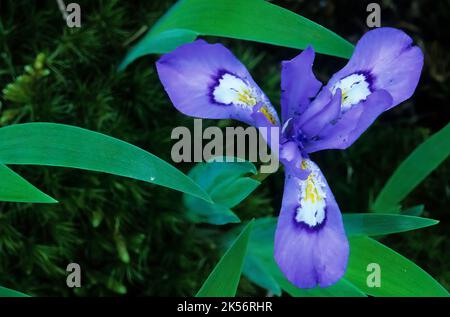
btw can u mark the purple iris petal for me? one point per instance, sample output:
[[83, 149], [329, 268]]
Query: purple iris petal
[[390, 60], [263, 116], [298, 84], [383, 71], [329, 113], [207, 81], [267, 126], [341, 133], [315, 106], [311, 247]]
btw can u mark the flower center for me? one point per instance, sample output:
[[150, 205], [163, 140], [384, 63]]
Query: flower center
[[355, 88], [233, 90], [312, 208]]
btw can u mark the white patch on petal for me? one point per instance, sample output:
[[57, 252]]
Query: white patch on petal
[[354, 88], [232, 89], [312, 209]]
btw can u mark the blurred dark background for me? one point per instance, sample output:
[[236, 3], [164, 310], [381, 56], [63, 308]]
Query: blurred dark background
[[129, 237]]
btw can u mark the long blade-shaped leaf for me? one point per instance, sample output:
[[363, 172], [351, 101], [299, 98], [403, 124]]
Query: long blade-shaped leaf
[[398, 275], [13, 188], [416, 211], [253, 20], [366, 224], [6, 292], [413, 170], [224, 279], [68, 146]]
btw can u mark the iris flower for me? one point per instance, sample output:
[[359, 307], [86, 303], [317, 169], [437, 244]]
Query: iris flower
[[207, 81]]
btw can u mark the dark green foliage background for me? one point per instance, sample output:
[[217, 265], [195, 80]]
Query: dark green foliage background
[[130, 237]]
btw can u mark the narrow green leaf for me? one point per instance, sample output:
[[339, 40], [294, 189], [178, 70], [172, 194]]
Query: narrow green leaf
[[253, 20], [258, 264], [68, 146], [398, 275], [413, 170], [224, 279], [259, 273], [160, 43], [13, 188], [369, 224], [414, 211], [6, 292], [227, 185]]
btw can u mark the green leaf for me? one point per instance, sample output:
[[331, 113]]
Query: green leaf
[[253, 20], [260, 255], [68, 146], [369, 224], [399, 276], [224, 279], [226, 184], [259, 273], [161, 43], [413, 170], [13, 188], [260, 266], [6, 292], [414, 211]]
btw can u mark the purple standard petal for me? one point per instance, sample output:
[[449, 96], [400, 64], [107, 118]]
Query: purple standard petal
[[319, 121], [311, 247], [316, 106], [384, 58], [304, 129], [342, 132], [298, 84], [207, 81]]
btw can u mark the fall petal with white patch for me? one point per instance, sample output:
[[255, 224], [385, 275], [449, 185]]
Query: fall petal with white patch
[[311, 247], [207, 81]]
